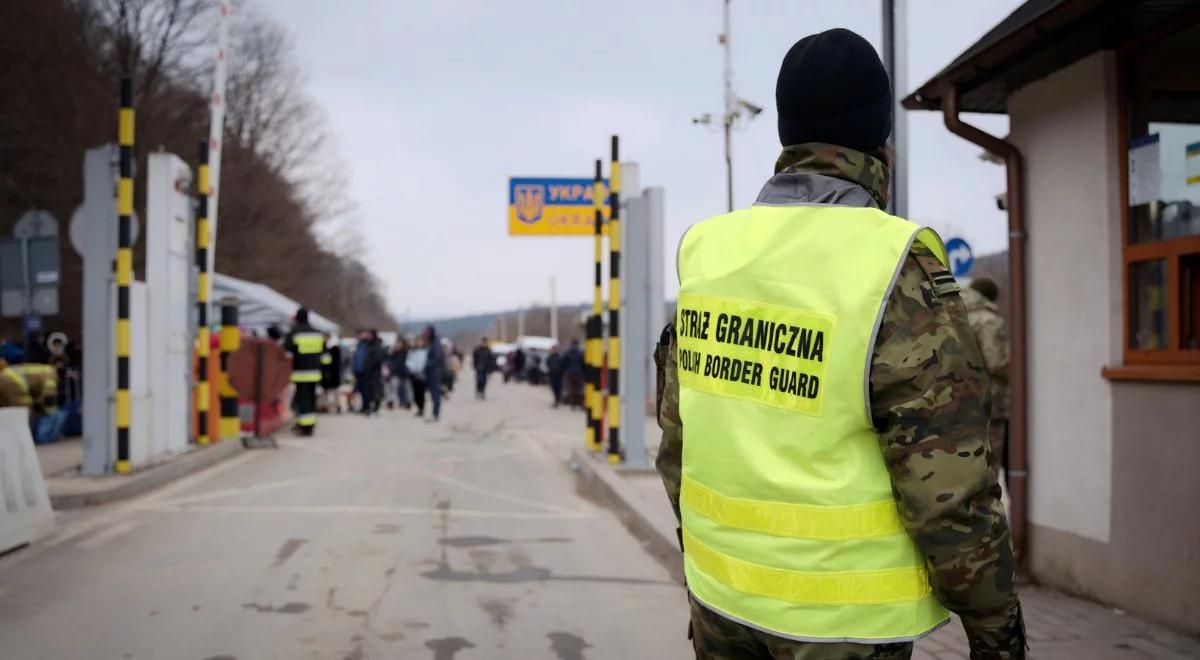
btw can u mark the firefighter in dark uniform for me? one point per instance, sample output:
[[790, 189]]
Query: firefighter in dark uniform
[[307, 347]]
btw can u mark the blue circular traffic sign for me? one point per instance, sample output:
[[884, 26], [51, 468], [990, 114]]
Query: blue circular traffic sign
[[961, 257]]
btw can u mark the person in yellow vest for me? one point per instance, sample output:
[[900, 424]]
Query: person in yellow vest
[[307, 347], [14, 389], [42, 384], [824, 405]]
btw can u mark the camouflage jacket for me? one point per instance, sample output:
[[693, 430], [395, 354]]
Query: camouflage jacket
[[991, 332], [929, 401]]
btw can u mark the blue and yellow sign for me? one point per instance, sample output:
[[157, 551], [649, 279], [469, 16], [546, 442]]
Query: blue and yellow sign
[[553, 207]]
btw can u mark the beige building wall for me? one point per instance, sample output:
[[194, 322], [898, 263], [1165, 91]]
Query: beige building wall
[[1062, 125], [1113, 491]]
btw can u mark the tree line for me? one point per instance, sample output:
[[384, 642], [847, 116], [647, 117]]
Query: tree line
[[284, 217]]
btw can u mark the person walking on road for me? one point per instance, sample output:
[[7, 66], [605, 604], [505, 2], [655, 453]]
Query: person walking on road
[[991, 332], [482, 362], [573, 375], [398, 376], [331, 375], [554, 371], [824, 403], [306, 346], [418, 355], [435, 360], [372, 388], [518, 360]]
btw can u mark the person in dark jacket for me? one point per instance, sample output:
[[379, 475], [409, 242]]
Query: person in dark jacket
[[373, 371], [555, 363], [573, 375], [306, 346], [398, 376], [519, 364], [482, 361], [331, 375], [435, 361]]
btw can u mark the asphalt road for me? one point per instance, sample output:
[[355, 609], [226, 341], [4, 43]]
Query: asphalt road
[[386, 537]]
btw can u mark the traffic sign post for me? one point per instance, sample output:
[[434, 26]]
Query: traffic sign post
[[961, 257]]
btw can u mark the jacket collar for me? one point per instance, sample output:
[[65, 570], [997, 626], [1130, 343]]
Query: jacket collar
[[818, 173]]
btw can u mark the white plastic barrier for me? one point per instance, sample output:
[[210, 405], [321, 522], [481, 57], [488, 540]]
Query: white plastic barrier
[[25, 514]]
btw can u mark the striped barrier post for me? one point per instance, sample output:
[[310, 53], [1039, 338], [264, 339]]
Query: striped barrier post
[[125, 124], [614, 308], [231, 340], [202, 295], [595, 333]]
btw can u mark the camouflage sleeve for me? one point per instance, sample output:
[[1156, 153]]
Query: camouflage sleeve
[[993, 342], [929, 399], [670, 451]]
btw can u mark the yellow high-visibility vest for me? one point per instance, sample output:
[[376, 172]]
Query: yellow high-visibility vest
[[789, 524]]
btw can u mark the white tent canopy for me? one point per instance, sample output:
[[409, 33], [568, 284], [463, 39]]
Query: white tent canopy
[[260, 306]]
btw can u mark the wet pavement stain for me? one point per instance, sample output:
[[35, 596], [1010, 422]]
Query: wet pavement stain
[[567, 646], [472, 541], [477, 541], [386, 528], [447, 647], [415, 624], [356, 613], [529, 573], [356, 654], [294, 582], [484, 560], [391, 637], [288, 549], [286, 608], [213, 657], [500, 611]]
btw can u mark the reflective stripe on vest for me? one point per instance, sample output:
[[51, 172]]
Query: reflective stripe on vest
[[306, 376], [308, 343], [789, 524]]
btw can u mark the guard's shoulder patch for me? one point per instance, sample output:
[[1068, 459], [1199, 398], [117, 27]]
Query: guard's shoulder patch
[[940, 279]]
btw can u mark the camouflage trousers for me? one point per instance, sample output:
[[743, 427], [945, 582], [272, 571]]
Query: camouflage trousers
[[716, 638], [998, 438]]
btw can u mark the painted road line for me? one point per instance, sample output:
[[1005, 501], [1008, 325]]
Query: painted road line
[[105, 535]]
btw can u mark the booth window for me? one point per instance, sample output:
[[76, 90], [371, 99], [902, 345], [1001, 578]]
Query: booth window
[[1161, 244]]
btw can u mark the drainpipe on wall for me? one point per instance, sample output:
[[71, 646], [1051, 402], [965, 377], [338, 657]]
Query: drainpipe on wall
[[1017, 370]]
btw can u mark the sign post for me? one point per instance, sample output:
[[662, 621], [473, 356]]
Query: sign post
[[961, 257]]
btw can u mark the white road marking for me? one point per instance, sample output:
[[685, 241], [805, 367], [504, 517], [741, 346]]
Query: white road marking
[[371, 510], [103, 536]]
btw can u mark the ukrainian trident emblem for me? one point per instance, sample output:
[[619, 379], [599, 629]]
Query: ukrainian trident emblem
[[530, 200]]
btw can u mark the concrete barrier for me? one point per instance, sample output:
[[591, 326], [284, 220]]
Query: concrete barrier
[[25, 514]]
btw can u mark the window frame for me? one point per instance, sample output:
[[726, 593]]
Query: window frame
[[1174, 363]]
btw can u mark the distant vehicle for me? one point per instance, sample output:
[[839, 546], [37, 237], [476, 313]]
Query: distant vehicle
[[500, 354], [539, 348]]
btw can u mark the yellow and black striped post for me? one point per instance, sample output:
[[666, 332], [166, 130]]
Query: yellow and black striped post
[[202, 293], [614, 308], [124, 271], [594, 351], [230, 340]]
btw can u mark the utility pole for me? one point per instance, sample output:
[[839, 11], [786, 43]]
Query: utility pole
[[730, 108], [553, 311], [895, 59], [733, 106]]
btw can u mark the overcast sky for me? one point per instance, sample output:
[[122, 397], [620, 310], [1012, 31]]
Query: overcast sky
[[433, 104]]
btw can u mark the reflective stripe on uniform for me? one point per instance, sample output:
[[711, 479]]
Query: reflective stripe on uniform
[[309, 343], [795, 520], [308, 419], [306, 376], [893, 585]]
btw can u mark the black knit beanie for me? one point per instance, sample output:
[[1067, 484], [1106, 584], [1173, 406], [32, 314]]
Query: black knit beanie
[[833, 88]]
